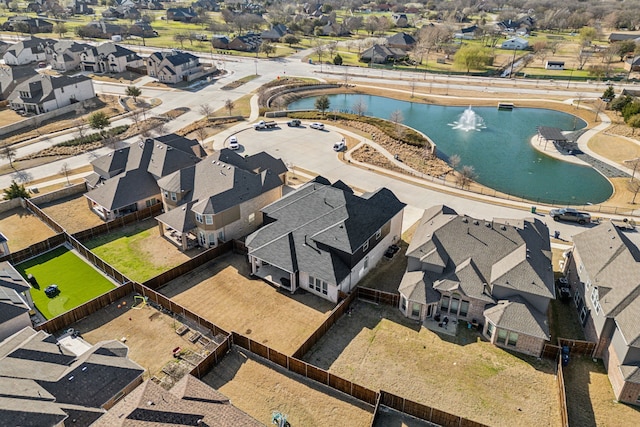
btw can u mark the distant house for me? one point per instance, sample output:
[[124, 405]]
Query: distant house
[[10, 77], [189, 396], [15, 301], [150, 4], [516, 43], [174, 66], [275, 33], [125, 181], [521, 26], [31, 25], [142, 29], [249, 42], [181, 14], [467, 33], [208, 5], [603, 268], [220, 42], [554, 65], [43, 93], [49, 381], [219, 199], [632, 64], [618, 37], [27, 51], [64, 55], [323, 238], [400, 20], [497, 273], [80, 7], [402, 41], [100, 30], [379, 54], [334, 29], [109, 58]]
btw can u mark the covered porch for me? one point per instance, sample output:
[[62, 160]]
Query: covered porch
[[184, 241], [273, 274]]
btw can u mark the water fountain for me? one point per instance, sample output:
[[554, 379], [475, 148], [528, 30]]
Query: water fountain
[[469, 120]]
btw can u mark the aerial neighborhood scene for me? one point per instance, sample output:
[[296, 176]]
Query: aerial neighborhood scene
[[246, 213]]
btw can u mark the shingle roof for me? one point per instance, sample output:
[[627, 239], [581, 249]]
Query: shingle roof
[[10, 278], [309, 227], [519, 316], [401, 39], [11, 305], [180, 218], [41, 87]]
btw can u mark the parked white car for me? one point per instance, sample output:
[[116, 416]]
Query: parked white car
[[315, 125], [233, 143], [339, 146]]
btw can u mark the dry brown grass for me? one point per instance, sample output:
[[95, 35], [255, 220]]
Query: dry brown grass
[[8, 117], [259, 388], [615, 148], [380, 349], [72, 213], [23, 229], [150, 334], [222, 292]]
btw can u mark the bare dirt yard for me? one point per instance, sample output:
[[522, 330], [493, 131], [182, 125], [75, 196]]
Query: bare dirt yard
[[149, 333], [590, 399], [23, 229], [378, 348], [259, 388], [222, 292], [72, 213]]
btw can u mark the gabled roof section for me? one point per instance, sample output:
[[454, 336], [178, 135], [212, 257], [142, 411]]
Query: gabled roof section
[[519, 316], [10, 278], [401, 39], [179, 218], [112, 163], [255, 163]]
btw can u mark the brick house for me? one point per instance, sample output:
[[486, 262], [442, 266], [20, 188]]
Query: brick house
[[174, 66]]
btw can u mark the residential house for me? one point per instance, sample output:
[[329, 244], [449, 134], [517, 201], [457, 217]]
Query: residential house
[[64, 55], [189, 400], [402, 41], [521, 26], [150, 4], [66, 381], [516, 43], [324, 238], [80, 7], [632, 63], [27, 24], [249, 42], [467, 33], [15, 301], [109, 58], [220, 42], [174, 66], [219, 199], [400, 20], [43, 93], [550, 64], [181, 14], [10, 77], [379, 54], [496, 273], [125, 181], [275, 33], [142, 29], [603, 270], [126, 11], [334, 29], [101, 30], [27, 51], [618, 37], [4, 245], [4, 46], [208, 5]]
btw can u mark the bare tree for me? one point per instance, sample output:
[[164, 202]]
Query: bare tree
[[635, 163], [412, 85], [331, 48], [454, 161], [81, 128], [360, 107], [135, 116], [159, 129], [201, 134], [9, 153], [206, 110], [466, 176], [634, 187], [397, 118], [319, 51], [229, 105], [65, 171]]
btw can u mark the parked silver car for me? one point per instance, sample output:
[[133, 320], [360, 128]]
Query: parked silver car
[[570, 214]]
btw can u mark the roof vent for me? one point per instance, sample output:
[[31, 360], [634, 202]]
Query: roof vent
[[465, 219], [487, 224], [504, 228], [476, 222], [70, 378]]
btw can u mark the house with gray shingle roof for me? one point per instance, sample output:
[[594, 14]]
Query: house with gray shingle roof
[[219, 199], [43, 382], [10, 77], [173, 66], [15, 301], [324, 238], [493, 272], [125, 181], [43, 93], [27, 51], [379, 54], [109, 58], [603, 271], [64, 55]]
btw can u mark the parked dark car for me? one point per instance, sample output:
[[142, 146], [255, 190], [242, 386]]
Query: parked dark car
[[51, 291], [294, 123]]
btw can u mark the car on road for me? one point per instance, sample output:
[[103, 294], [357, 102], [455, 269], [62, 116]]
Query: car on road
[[318, 126], [233, 143], [570, 214], [339, 146], [294, 123]]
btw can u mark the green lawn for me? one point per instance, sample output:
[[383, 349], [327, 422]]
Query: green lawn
[[78, 281]]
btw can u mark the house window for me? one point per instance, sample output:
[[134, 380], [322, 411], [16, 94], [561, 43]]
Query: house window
[[513, 339], [594, 296], [221, 236], [378, 234], [151, 202], [464, 308], [415, 310], [318, 285], [199, 218], [365, 247], [490, 329], [252, 217], [174, 196], [403, 304], [202, 239], [502, 336], [455, 303], [444, 304], [166, 194], [583, 314], [208, 219]]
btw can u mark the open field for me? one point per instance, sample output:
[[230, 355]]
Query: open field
[[258, 388], [72, 213], [149, 333], [278, 319], [590, 399], [138, 251], [78, 281], [22, 228], [378, 348]]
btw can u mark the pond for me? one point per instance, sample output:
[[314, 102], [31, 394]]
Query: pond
[[500, 150]]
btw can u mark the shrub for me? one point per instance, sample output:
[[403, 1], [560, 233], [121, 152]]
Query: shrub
[[94, 137]]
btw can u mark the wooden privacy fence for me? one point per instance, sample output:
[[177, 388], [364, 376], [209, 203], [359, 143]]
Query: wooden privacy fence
[[578, 347], [35, 249], [96, 260], [206, 364], [120, 222], [562, 394], [306, 370], [43, 216], [65, 319], [185, 267], [378, 297], [336, 313]]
